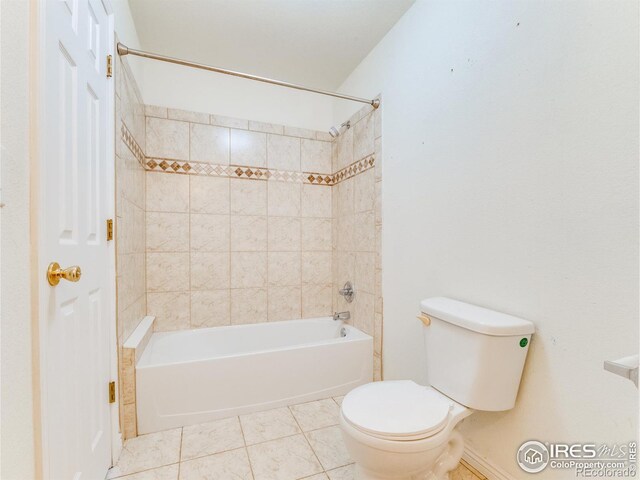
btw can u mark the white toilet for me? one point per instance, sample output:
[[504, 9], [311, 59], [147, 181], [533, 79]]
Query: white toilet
[[402, 430]]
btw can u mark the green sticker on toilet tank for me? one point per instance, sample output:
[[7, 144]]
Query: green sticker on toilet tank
[[524, 342]]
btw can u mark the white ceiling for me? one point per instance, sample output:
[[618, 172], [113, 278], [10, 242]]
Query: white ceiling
[[313, 42]]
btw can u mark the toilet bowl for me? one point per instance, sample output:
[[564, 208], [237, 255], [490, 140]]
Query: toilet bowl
[[401, 430]]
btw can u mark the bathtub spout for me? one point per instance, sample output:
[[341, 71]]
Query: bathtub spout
[[342, 316]]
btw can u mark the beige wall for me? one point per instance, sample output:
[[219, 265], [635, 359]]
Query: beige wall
[[197, 90], [511, 181], [18, 438], [127, 33]]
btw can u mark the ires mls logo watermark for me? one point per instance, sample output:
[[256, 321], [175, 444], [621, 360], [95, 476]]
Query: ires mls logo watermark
[[533, 456], [587, 460]]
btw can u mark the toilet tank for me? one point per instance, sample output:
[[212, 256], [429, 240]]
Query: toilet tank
[[475, 356]]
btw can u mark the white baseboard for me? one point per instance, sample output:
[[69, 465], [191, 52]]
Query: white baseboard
[[484, 466]]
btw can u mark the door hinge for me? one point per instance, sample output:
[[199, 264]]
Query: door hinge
[[109, 66], [109, 230], [112, 392]]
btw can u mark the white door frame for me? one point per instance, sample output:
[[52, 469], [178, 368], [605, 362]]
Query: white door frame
[[40, 337], [116, 435]]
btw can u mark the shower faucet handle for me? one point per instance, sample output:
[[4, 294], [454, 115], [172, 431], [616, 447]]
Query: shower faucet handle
[[347, 292]]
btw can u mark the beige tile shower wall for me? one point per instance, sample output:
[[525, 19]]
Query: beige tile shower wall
[[221, 250], [130, 231], [357, 227]]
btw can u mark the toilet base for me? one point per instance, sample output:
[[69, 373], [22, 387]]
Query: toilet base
[[439, 470]]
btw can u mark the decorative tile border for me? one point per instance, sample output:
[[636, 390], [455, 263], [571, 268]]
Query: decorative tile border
[[317, 178], [354, 169], [243, 171], [132, 145], [225, 171]]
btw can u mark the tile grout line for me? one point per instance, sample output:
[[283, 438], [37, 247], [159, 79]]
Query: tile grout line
[[300, 246], [307, 440], [300, 253], [144, 180], [268, 223], [145, 470], [235, 214], [229, 309], [180, 452], [189, 243], [246, 447], [200, 457]]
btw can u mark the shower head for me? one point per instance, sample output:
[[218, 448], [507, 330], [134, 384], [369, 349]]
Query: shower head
[[335, 132]]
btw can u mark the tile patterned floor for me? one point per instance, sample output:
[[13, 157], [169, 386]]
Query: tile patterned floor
[[291, 443]]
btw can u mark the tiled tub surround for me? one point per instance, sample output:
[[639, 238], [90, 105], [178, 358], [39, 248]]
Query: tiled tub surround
[[240, 213], [291, 443], [241, 222], [130, 231], [131, 352], [357, 226], [238, 250]]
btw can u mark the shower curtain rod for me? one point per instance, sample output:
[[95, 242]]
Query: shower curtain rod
[[124, 50]]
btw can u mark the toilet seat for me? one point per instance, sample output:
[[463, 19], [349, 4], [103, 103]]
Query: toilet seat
[[397, 410]]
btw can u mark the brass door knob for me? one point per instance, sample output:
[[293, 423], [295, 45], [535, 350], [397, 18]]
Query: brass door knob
[[55, 273]]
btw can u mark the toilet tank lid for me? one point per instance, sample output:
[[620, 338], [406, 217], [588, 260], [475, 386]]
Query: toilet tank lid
[[477, 319]]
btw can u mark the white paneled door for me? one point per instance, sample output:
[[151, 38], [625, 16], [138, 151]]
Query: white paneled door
[[74, 206]]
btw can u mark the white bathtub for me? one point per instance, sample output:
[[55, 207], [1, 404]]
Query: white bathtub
[[194, 376]]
